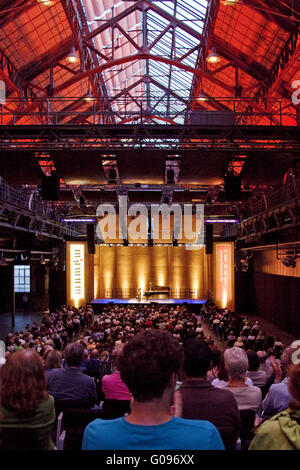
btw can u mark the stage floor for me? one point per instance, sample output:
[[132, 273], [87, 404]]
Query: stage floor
[[147, 302]]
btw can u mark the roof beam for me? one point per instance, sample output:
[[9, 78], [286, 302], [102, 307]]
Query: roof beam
[[74, 13], [284, 62], [16, 8], [50, 58], [208, 31], [245, 63], [273, 12], [144, 56]]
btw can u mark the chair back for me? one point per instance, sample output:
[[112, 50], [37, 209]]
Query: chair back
[[16, 438], [74, 423], [247, 427]]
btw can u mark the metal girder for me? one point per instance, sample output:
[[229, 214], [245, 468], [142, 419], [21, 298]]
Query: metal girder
[[273, 11], [26, 221], [45, 61], [208, 29], [143, 56], [74, 12], [169, 138], [17, 8], [288, 56], [248, 65], [16, 83], [14, 80]]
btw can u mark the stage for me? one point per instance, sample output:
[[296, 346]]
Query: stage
[[98, 304]]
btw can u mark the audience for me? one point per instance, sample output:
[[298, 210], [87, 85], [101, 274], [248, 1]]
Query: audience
[[282, 432], [149, 365], [112, 385], [69, 384], [198, 399], [279, 394], [236, 363], [258, 376], [85, 357], [25, 402]]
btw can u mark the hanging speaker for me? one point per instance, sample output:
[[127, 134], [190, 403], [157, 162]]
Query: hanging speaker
[[170, 176], [90, 238], [232, 188], [209, 239], [50, 187]]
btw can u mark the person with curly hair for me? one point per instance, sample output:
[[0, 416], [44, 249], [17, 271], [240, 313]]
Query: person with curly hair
[[148, 365], [25, 402]]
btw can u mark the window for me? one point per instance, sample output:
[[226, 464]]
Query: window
[[22, 278]]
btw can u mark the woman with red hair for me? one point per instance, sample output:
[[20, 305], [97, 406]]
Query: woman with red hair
[[24, 400]]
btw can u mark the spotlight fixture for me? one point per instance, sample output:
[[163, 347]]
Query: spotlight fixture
[[89, 97], [72, 57], [202, 96], [230, 2], [46, 3], [2, 259], [42, 260], [213, 57]]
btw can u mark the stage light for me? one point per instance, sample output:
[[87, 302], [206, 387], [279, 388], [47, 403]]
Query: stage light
[[72, 57], [213, 57]]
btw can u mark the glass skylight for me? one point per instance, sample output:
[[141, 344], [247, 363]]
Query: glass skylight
[[157, 77]]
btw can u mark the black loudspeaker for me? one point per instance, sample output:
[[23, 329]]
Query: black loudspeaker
[[170, 176], [50, 187], [232, 188], [112, 175], [209, 236], [90, 238]]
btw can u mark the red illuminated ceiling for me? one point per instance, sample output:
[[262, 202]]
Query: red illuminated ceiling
[[147, 60]]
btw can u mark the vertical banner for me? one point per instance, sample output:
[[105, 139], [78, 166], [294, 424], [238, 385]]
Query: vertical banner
[[224, 275], [77, 273]]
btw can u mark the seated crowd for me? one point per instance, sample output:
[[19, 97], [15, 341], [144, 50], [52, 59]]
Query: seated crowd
[[148, 377]]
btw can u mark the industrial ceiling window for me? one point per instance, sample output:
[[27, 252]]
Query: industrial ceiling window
[[22, 278]]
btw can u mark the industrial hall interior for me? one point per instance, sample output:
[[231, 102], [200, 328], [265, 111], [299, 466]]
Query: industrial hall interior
[[150, 226]]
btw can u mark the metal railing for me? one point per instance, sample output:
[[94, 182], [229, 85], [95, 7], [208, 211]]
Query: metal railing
[[66, 110], [30, 202], [131, 293], [261, 202]]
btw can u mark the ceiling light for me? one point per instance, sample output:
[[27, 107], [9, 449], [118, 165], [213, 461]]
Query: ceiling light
[[230, 2], [46, 3], [202, 96], [89, 96], [72, 57], [213, 57]]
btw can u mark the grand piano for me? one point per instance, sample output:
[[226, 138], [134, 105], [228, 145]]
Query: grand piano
[[157, 290]]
